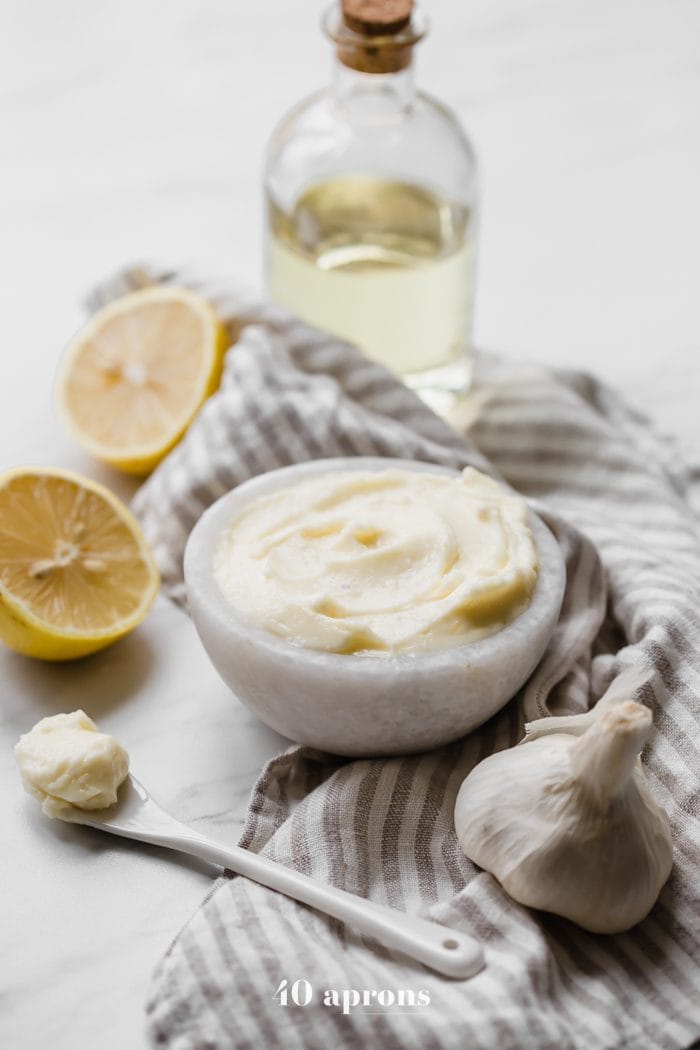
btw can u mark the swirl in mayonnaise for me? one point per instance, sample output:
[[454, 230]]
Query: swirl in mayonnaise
[[382, 562]]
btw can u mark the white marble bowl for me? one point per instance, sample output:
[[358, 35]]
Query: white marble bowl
[[363, 704]]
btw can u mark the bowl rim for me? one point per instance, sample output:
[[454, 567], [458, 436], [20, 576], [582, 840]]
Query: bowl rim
[[199, 573]]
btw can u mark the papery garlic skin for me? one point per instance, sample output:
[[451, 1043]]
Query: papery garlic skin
[[623, 687], [568, 824]]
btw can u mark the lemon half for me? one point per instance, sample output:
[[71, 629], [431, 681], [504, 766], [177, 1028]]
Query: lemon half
[[134, 377], [76, 572]]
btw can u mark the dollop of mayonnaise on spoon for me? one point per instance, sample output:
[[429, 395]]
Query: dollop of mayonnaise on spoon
[[64, 760]]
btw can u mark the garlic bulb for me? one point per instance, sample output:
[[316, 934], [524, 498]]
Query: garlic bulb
[[568, 824]]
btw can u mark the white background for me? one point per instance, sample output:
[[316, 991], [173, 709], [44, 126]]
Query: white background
[[135, 129]]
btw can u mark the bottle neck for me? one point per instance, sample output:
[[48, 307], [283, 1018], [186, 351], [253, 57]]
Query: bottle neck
[[384, 93], [374, 71]]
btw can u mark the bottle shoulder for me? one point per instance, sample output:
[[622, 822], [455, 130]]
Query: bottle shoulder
[[322, 135], [304, 113], [437, 110], [323, 108]]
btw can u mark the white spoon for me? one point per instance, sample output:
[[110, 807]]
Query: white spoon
[[137, 816]]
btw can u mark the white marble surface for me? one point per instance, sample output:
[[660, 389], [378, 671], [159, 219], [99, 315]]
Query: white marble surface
[[136, 130], [85, 916]]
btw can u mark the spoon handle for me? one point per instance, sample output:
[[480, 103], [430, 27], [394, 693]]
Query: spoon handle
[[450, 952]]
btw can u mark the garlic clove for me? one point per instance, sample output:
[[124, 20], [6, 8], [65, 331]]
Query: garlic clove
[[622, 688], [568, 824]]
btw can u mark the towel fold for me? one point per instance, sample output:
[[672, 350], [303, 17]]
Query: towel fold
[[619, 501]]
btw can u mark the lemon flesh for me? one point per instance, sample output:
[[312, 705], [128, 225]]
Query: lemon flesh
[[135, 376], [76, 572]]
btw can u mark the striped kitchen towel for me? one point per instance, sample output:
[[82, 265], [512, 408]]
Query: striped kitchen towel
[[619, 501]]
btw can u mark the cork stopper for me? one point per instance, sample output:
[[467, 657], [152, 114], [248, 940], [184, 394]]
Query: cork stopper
[[377, 17], [374, 36]]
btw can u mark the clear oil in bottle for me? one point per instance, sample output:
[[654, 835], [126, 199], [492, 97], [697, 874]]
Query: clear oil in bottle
[[387, 265]]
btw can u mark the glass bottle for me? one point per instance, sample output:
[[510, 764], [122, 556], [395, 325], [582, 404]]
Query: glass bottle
[[371, 199]]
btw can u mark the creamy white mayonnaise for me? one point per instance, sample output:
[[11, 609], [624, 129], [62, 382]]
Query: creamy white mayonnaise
[[390, 561], [65, 759]]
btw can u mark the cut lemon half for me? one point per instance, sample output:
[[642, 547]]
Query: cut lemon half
[[134, 377], [76, 572]]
